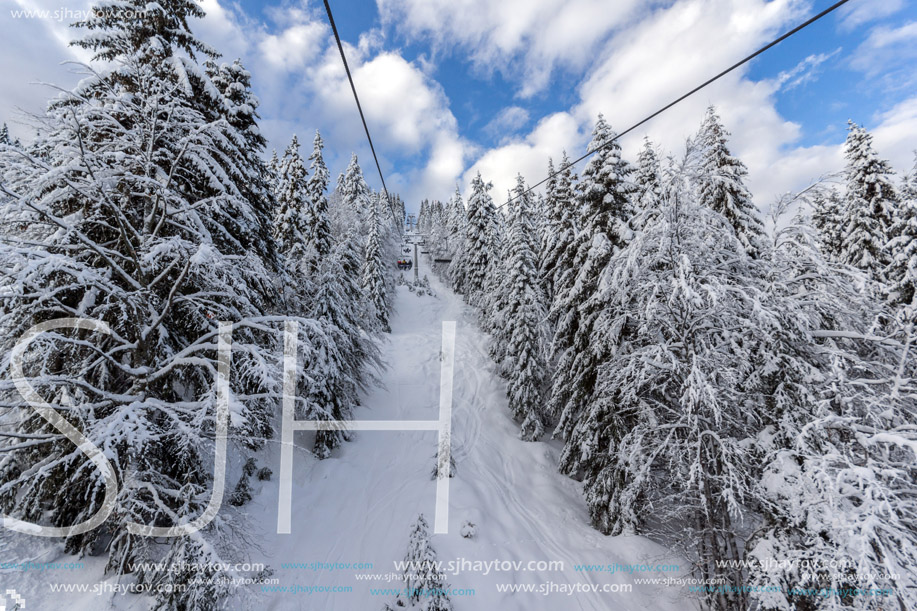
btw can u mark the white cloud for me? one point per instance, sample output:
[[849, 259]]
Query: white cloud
[[408, 116], [528, 156], [32, 52], [665, 55], [224, 29], [298, 75], [524, 39], [886, 48], [654, 62], [804, 72], [863, 11], [295, 47], [508, 121], [664, 51], [895, 136]]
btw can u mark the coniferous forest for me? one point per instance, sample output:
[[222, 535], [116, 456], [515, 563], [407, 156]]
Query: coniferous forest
[[738, 389]]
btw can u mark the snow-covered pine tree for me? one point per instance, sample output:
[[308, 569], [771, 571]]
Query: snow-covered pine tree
[[400, 211], [648, 178], [273, 168], [902, 270], [391, 231], [339, 301], [291, 222], [318, 236], [247, 170], [495, 310], [908, 189], [233, 82], [721, 186], [147, 225], [423, 217], [523, 319], [332, 292], [355, 193], [838, 482], [373, 280], [870, 205], [540, 226], [494, 299], [457, 223], [699, 358], [439, 234], [5, 136], [604, 204], [480, 254], [12, 173], [558, 244], [423, 584], [826, 218]]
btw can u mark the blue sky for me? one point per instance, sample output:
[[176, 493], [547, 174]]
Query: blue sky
[[452, 87]]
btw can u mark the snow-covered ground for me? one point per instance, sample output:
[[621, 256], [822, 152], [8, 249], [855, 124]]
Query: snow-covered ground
[[358, 505]]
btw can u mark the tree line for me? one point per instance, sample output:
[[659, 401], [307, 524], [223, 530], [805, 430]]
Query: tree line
[[144, 203], [744, 395]]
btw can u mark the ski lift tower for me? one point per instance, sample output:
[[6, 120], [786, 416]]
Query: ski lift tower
[[415, 240], [411, 221], [416, 260]]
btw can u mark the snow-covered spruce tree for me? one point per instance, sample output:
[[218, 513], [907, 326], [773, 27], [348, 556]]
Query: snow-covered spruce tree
[[5, 138], [424, 587], [480, 252], [869, 207], [439, 234], [720, 183], [318, 236], [539, 225], [391, 232], [423, 217], [15, 174], [699, 360], [141, 206], [331, 291], [837, 491], [494, 298], [273, 170], [291, 222], [458, 221], [495, 308], [523, 319], [603, 199], [373, 276], [337, 296], [648, 178], [908, 189], [826, 218], [557, 250], [840, 498], [400, 211], [355, 193], [902, 271]]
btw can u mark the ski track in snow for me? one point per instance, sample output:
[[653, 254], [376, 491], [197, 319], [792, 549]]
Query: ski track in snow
[[358, 505]]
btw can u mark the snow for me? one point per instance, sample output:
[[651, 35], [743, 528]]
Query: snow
[[359, 504]]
